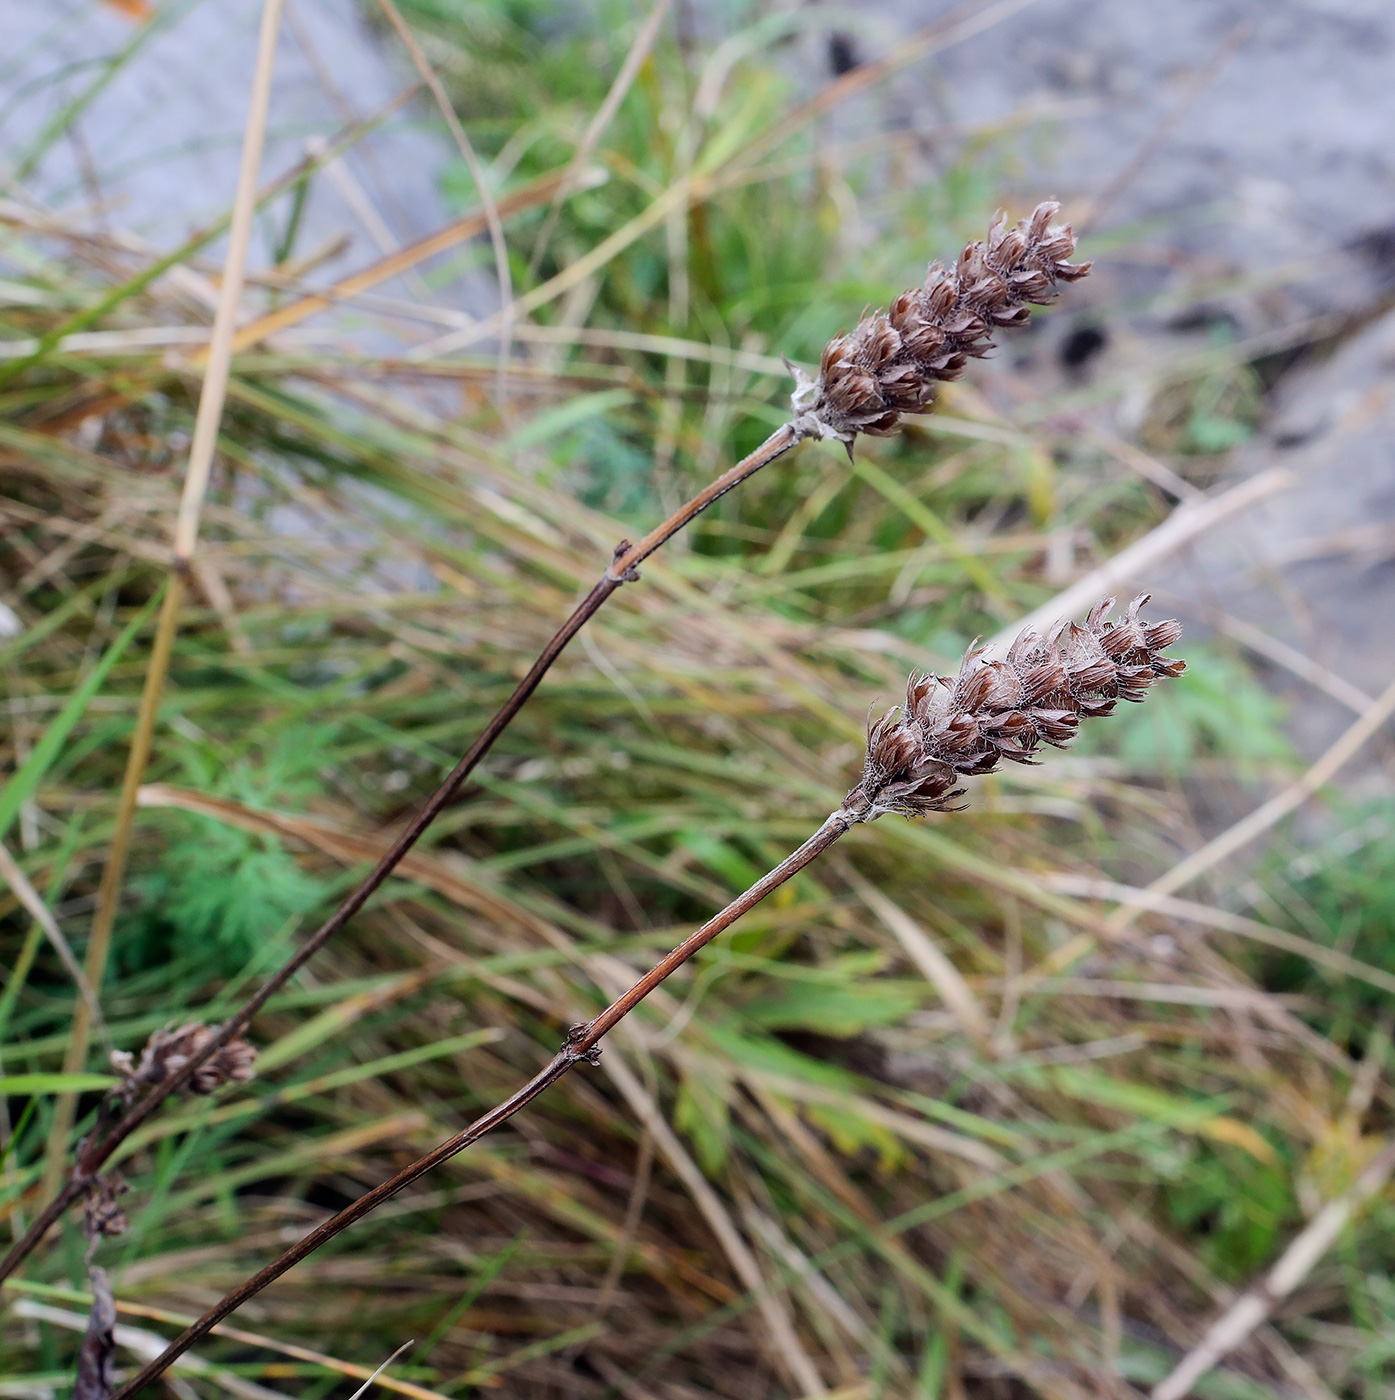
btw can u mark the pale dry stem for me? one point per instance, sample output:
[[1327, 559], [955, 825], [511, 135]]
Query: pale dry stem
[[196, 477]]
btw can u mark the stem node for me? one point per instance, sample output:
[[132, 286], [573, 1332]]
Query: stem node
[[575, 1048], [615, 573]]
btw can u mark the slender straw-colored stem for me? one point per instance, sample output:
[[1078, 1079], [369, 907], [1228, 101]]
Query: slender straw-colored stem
[[472, 163], [215, 380], [210, 412], [622, 570], [624, 79], [13, 875], [582, 1043], [109, 891]]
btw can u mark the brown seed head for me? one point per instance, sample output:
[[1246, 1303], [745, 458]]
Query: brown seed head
[[102, 1216], [953, 727], [168, 1051], [891, 361]]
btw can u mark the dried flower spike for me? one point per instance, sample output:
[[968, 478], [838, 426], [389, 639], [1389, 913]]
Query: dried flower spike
[[991, 710], [168, 1051], [891, 361], [952, 727]]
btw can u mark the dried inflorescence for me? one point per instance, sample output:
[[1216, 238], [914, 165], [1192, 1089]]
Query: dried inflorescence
[[103, 1216], [94, 1376], [952, 727], [168, 1051], [891, 361]]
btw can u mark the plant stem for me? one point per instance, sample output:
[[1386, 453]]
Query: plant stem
[[622, 570], [109, 891], [210, 413], [472, 163], [582, 1043]]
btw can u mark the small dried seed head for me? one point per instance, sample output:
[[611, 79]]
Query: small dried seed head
[[891, 361], [168, 1051], [101, 1216], [952, 727]]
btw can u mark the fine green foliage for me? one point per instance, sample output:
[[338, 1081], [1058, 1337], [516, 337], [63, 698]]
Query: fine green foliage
[[1026, 1169], [215, 894], [1340, 892], [1219, 711]]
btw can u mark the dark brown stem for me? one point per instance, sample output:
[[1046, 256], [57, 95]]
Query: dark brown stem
[[623, 569], [582, 1043]]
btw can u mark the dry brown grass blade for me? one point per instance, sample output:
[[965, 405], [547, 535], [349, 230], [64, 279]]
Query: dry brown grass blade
[[447, 877], [109, 891], [623, 569], [449, 880], [463, 229], [576, 272], [961, 24], [143, 1344], [363, 1389], [784, 1341], [893, 1247], [629, 69], [913, 759], [581, 1045], [927, 1135], [297, 1353], [1255, 639], [1179, 529], [1148, 467], [1223, 922], [923, 951], [1294, 1265]]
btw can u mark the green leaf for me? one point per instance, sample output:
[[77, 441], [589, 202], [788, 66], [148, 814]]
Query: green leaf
[[836, 1010], [702, 1111], [30, 773], [54, 1083], [851, 1134], [570, 414], [774, 1056], [722, 857], [1158, 1106], [1210, 432], [1218, 707]]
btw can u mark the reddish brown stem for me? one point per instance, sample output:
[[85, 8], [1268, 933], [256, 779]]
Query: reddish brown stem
[[622, 570], [582, 1043]]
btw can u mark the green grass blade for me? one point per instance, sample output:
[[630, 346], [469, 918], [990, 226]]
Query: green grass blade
[[31, 772]]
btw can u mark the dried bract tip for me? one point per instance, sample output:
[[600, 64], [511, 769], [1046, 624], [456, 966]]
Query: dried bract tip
[[954, 727], [168, 1051], [95, 1374], [891, 361]]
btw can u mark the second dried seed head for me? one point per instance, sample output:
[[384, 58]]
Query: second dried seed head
[[952, 727]]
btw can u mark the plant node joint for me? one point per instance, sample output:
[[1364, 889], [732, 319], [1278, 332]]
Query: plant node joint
[[575, 1035]]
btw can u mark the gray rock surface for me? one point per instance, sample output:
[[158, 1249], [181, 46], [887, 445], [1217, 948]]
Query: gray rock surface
[[1264, 128], [1314, 566], [155, 146]]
